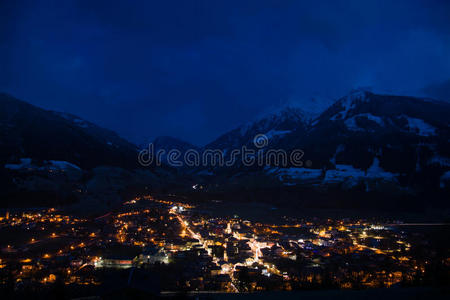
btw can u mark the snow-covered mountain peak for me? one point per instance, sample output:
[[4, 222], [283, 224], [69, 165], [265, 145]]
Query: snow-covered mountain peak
[[287, 113], [349, 102], [285, 117], [357, 94], [290, 113], [74, 119], [304, 110]]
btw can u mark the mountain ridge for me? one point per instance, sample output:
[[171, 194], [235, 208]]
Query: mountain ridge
[[30, 131], [400, 136]]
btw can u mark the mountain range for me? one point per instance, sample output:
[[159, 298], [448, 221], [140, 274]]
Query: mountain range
[[363, 143], [403, 136], [52, 158], [29, 131]]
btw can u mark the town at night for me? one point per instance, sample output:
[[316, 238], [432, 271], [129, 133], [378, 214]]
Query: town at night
[[239, 149], [188, 250]]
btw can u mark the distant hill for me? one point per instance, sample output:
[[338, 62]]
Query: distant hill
[[50, 158], [27, 131]]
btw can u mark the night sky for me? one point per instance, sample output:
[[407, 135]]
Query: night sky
[[195, 69]]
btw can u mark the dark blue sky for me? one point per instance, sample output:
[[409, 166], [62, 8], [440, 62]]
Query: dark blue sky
[[195, 69]]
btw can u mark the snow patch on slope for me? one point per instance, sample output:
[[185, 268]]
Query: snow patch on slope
[[24, 164], [439, 160], [346, 174], [56, 165], [351, 122], [339, 149], [375, 171], [62, 165], [80, 123], [352, 175], [420, 127], [349, 103], [285, 175], [275, 133], [77, 121], [343, 173]]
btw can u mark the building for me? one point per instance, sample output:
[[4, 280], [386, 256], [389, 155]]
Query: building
[[119, 256], [153, 255]]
